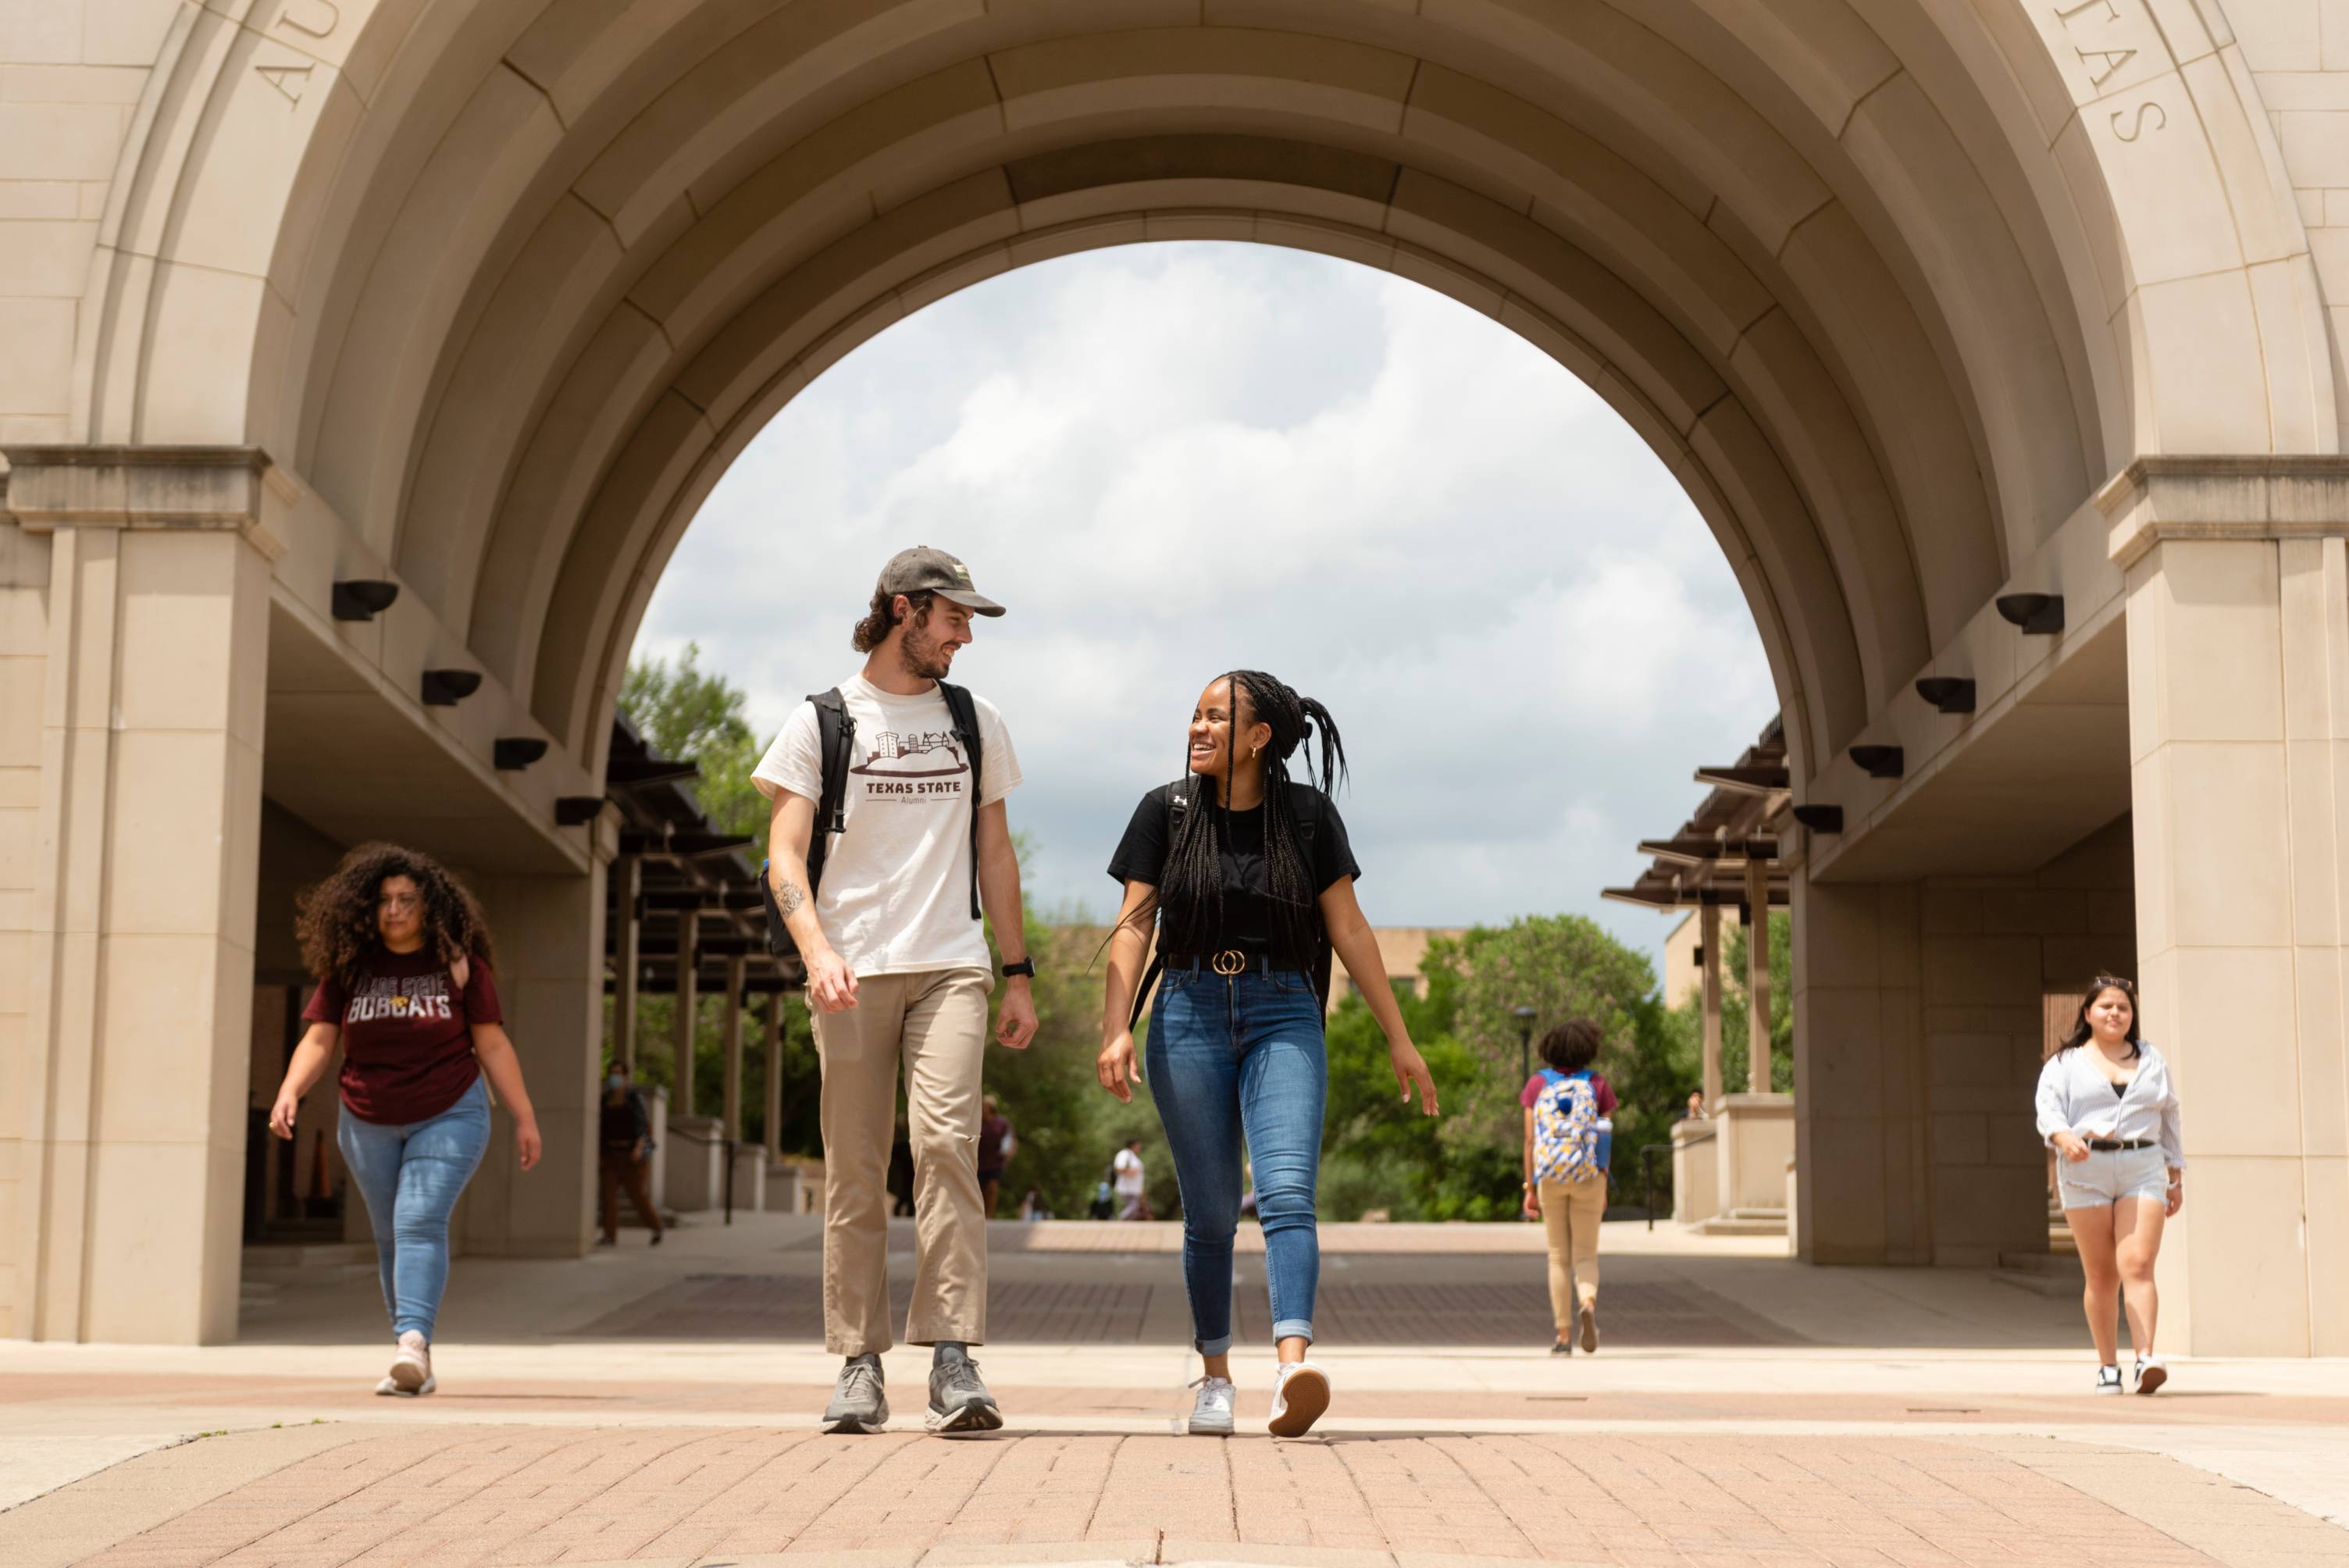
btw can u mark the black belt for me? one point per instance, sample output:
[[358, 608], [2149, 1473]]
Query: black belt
[[1230, 961], [2109, 1144]]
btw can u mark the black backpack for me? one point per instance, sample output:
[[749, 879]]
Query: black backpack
[[835, 734], [1178, 800]]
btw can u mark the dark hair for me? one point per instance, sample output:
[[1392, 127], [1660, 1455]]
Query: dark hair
[[1191, 887], [881, 619], [336, 921], [2098, 987], [1572, 1045]]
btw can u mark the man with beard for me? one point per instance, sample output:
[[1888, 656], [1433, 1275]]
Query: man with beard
[[897, 967]]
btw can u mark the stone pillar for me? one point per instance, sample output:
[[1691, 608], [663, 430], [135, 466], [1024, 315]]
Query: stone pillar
[[1709, 941], [688, 1004], [550, 939], [1757, 976], [1859, 1110], [128, 1084], [774, 1118], [627, 964], [2239, 738], [730, 1111]]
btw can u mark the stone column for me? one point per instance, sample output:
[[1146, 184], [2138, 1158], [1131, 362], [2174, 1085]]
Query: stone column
[[627, 963], [1860, 1133], [1757, 976], [128, 1085], [2239, 738], [774, 1119], [688, 1004], [1709, 941], [730, 1111], [549, 932]]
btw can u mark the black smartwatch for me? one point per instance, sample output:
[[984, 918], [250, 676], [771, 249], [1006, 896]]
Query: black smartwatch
[[1025, 966]]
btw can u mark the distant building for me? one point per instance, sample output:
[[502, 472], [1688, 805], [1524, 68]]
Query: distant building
[[1401, 949], [1683, 974]]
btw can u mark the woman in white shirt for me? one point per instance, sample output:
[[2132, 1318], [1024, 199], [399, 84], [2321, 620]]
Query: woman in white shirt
[[2107, 1108]]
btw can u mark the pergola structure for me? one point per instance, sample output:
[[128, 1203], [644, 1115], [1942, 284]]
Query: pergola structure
[[682, 918], [1727, 853]]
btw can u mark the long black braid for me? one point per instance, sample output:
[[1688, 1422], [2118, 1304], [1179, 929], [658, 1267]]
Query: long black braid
[[1191, 887]]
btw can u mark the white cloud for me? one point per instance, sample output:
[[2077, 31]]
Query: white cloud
[[1173, 460]]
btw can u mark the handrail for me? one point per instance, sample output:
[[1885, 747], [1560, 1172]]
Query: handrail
[[1648, 1167]]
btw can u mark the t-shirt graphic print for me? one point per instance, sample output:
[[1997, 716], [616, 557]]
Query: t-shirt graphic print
[[895, 898]]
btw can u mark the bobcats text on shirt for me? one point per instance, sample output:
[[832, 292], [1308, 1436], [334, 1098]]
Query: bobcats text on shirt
[[895, 896]]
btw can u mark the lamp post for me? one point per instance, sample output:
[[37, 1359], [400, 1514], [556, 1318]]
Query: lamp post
[[1525, 1044]]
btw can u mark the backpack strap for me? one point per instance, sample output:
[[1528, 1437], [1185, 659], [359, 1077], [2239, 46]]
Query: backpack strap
[[1177, 802], [835, 734], [964, 714]]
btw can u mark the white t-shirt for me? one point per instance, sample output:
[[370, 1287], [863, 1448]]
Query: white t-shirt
[[896, 895], [1128, 1165]]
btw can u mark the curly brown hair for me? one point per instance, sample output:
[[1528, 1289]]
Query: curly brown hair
[[1572, 1045], [881, 618], [336, 921]]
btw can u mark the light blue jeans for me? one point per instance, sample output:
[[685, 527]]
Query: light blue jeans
[[1234, 1056], [411, 1177]]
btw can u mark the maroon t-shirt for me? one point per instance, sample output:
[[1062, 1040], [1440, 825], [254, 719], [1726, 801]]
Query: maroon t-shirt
[[1600, 1091], [408, 1035]]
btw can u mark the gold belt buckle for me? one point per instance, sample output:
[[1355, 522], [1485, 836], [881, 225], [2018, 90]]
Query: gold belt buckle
[[1230, 961]]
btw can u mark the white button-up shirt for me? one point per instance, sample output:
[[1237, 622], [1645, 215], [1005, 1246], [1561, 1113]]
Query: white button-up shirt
[[2074, 1097]]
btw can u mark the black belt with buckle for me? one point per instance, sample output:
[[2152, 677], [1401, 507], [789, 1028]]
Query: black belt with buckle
[[2109, 1144], [1231, 961]]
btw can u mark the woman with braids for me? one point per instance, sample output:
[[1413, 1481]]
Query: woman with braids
[[1250, 881], [402, 960]]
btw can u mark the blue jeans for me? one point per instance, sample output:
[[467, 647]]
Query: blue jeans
[[411, 1177], [1228, 1057]]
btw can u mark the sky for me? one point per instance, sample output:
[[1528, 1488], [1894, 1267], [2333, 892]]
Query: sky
[[1171, 460]]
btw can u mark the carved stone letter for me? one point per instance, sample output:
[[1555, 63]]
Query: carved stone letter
[[2114, 60], [2110, 14], [2137, 126], [332, 19], [287, 79]]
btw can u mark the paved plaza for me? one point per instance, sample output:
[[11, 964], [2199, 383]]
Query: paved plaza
[[658, 1407]]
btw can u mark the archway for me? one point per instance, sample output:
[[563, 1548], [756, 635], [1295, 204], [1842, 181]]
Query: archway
[[479, 299]]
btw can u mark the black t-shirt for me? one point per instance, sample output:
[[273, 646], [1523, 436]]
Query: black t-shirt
[[1248, 900]]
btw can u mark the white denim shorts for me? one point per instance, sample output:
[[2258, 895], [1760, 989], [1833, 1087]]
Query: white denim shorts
[[2108, 1175]]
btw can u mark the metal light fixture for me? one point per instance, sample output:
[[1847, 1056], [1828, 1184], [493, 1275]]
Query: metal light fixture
[[512, 752], [1948, 693], [1525, 1016], [1820, 818], [447, 688], [1880, 761], [363, 598], [578, 810], [2039, 615]]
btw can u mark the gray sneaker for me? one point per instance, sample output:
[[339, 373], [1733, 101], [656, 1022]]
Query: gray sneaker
[[858, 1403], [959, 1402]]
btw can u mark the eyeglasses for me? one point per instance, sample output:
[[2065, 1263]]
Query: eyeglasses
[[400, 903]]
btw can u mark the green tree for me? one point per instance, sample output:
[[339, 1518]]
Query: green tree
[[697, 716], [1737, 1009]]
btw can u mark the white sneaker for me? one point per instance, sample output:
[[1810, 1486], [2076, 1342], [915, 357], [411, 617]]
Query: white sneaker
[[2151, 1374], [1300, 1393], [389, 1387], [411, 1365], [2109, 1380], [1211, 1412]]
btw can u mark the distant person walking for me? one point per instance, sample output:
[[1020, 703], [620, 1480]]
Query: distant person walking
[[1568, 1108], [1250, 879], [2107, 1108], [624, 1148], [997, 1145], [1130, 1183], [402, 958], [888, 832]]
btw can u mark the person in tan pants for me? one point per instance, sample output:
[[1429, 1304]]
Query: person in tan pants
[[1570, 1209], [898, 971]]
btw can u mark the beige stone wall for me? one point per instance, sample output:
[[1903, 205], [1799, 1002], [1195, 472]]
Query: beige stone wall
[[24, 642]]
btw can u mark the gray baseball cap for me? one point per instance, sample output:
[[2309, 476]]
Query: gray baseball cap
[[923, 568]]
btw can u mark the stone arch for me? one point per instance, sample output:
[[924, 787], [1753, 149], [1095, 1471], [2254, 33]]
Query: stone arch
[[1867, 285]]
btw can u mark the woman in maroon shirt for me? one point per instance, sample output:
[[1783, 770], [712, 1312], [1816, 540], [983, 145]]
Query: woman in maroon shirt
[[403, 957]]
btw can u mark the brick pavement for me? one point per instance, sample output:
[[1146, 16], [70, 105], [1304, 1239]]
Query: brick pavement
[[515, 1496]]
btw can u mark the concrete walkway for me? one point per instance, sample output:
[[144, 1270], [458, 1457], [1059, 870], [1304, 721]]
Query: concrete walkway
[[643, 1406]]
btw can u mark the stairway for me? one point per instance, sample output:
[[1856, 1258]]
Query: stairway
[[274, 1261], [1743, 1223]]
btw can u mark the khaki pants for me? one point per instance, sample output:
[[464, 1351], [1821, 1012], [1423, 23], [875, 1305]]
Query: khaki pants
[[937, 1022], [1571, 1211]]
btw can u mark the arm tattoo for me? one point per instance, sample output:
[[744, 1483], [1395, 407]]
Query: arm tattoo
[[788, 898]]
